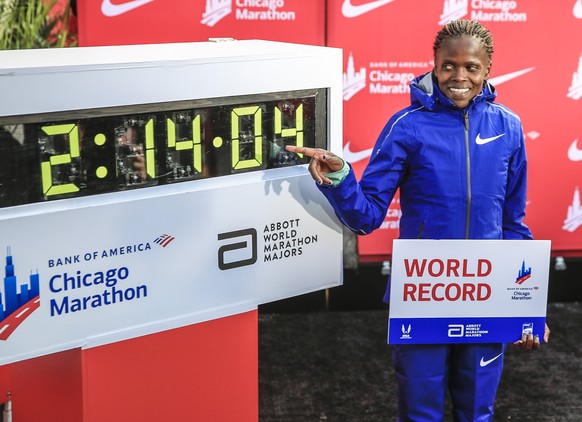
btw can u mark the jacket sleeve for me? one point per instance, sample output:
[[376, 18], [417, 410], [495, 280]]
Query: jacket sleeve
[[515, 196], [362, 205]]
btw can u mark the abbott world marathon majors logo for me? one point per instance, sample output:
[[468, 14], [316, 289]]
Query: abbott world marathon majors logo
[[246, 10], [385, 77], [482, 10], [280, 240]]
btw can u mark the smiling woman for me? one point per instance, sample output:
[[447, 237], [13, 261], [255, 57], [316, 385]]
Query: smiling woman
[[455, 183]]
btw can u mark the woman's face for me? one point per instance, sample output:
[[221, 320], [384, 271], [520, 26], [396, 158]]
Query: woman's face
[[461, 67]]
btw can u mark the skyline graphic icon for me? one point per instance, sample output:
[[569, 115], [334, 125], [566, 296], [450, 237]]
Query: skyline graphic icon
[[453, 9], [575, 90], [353, 81], [18, 302], [215, 11]]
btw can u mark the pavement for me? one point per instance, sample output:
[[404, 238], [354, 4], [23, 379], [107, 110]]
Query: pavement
[[335, 366]]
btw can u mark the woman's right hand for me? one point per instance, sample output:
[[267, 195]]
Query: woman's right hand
[[322, 162]]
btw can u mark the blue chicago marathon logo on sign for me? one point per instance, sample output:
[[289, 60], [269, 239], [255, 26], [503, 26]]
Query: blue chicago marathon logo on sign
[[523, 274], [18, 302]]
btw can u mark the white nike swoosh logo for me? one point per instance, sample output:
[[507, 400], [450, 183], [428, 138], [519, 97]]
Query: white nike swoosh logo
[[575, 153], [484, 362], [110, 9], [355, 156], [352, 11], [483, 141], [578, 9], [498, 80]]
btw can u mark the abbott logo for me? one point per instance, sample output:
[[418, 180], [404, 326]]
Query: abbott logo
[[456, 330], [239, 253]]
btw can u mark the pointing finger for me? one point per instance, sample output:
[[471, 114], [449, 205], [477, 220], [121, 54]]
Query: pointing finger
[[310, 152]]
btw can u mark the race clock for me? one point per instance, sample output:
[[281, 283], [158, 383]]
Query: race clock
[[148, 187]]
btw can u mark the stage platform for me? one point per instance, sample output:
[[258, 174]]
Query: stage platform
[[335, 366]]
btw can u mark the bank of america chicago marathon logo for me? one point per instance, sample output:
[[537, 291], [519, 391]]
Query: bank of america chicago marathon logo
[[386, 78], [246, 10], [281, 240], [18, 302], [394, 77], [482, 10], [523, 290]]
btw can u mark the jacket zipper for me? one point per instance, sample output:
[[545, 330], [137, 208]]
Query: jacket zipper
[[468, 165]]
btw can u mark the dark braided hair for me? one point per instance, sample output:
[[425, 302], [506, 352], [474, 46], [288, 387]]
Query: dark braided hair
[[461, 27]]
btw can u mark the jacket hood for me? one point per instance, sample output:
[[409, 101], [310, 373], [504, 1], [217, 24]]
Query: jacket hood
[[425, 91]]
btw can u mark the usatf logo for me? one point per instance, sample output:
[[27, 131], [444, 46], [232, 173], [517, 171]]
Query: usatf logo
[[523, 274], [237, 253], [246, 10], [406, 332], [354, 81], [574, 217], [164, 240], [575, 90], [17, 304], [482, 10]]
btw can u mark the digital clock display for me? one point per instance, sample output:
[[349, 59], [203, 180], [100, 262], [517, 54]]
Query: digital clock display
[[87, 152]]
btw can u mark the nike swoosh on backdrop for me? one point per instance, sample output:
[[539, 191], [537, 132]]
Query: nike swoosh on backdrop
[[484, 362], [578, 9], [355, 156], [109, 9], [575, 153], [350, 10], [483, 141], [498, 80]]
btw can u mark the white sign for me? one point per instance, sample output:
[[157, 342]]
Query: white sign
[[91, 270], [116, 270], [467, 291]]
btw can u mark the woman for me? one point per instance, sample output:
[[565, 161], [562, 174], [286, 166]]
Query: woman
[[459, 160]]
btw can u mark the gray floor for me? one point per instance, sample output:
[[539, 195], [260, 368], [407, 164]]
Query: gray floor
[[335, 366]]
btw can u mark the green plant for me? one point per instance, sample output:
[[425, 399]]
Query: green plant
[[30, 24]]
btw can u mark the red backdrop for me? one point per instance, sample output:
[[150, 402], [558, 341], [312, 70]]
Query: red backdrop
[[537, 69]]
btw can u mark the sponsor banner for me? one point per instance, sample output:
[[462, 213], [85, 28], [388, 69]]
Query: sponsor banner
[[464, 291], [377, 70], [110, 271], [115, 22], [462, 330]]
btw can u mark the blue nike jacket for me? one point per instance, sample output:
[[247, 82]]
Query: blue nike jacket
[[461, 172]]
